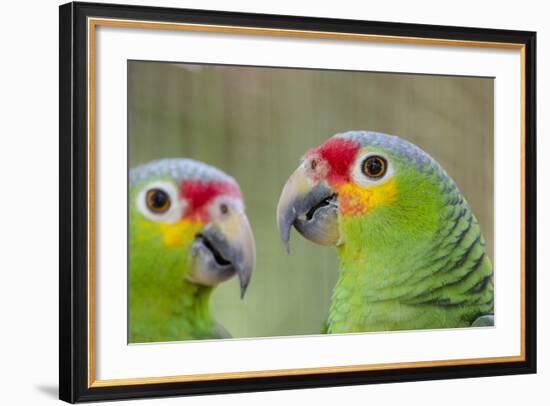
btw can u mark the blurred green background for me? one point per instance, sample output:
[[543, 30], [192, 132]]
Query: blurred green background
[[255, 124]]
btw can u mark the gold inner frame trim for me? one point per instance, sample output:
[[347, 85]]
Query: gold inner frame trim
[[94, 22], [299, 371]]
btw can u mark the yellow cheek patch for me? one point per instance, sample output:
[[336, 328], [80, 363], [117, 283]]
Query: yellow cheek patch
[[354, 200], [178, 233]]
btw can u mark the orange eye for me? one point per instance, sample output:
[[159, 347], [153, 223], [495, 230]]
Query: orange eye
[[374, 166], [157, 200]]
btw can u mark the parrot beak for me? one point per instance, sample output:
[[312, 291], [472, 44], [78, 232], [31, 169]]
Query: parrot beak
[[223, 248], [311, 207]]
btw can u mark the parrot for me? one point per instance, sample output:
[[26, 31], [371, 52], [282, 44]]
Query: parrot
[[411, 253], [188, 232]]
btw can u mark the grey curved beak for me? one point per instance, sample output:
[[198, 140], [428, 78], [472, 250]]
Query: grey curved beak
[[232, 237], [311, 207]]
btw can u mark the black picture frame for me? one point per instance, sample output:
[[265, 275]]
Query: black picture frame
[[74, 200]]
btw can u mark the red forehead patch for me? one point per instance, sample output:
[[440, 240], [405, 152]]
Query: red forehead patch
[[339, 154], [198, 194]]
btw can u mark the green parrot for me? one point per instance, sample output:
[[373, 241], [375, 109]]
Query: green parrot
[[187, 233], [411, 252]]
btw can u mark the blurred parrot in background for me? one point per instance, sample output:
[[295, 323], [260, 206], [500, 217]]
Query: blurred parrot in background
[[188, 232], [411, 252]]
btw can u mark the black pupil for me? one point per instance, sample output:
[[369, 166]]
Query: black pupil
[[374, 166], [159, 199]]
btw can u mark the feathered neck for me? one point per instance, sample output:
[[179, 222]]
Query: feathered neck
[[394, 276], [173, 312]]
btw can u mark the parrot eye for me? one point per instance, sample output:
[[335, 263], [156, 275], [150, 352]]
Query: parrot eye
[[371, 168], [157, 200], [224, 208], [374, 166]]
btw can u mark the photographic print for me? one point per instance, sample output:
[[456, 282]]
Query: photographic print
[[259, 202], [269, 201]]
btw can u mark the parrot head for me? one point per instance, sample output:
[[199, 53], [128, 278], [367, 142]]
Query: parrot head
[[359, 188], [411, 254], [187, 221]]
